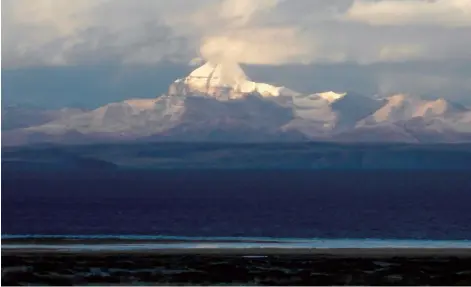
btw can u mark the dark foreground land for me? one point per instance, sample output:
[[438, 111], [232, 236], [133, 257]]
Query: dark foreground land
[[216, 267]]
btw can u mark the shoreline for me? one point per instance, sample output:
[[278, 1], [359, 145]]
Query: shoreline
[[167, 245]]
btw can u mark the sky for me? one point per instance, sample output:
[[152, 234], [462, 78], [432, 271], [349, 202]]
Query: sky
[[58, 34]]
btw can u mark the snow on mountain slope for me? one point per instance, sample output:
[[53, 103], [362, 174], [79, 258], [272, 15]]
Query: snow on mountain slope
[[402, 107], [313, 108], [144, 118], [331, 96], [211, 76], [224, 81], [352, 108], [330, 112], [218, 101], [211, 95], [132, 117], [426, 120]]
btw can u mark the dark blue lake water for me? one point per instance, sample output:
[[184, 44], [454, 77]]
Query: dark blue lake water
[[299, 204]]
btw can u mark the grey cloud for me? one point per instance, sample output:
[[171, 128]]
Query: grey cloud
[[155, 43], [365, 44], [59, 32], [89, 32], [452, 13]]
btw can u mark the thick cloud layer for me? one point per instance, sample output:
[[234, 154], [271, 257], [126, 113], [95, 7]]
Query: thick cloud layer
[[58, 32], [452, 13]]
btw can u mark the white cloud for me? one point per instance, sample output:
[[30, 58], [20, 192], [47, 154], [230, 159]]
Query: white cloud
[[238, 30], [255, 46], [412, 12], [58, 32], [240, 13], [71, 32]]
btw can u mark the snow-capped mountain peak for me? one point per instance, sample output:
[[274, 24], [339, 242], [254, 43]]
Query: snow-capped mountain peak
[[437, 107], [217, 75], [403, 107], [219, 101], [225, 80]]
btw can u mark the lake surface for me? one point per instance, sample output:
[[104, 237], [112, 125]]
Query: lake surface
[[208, 203]]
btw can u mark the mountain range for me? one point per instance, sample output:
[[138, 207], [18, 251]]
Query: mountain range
[[218, 102]]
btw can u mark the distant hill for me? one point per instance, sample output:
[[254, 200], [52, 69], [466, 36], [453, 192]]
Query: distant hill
[[204, 155]]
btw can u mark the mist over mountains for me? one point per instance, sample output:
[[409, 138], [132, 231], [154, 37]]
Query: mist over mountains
[[219, 102]]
